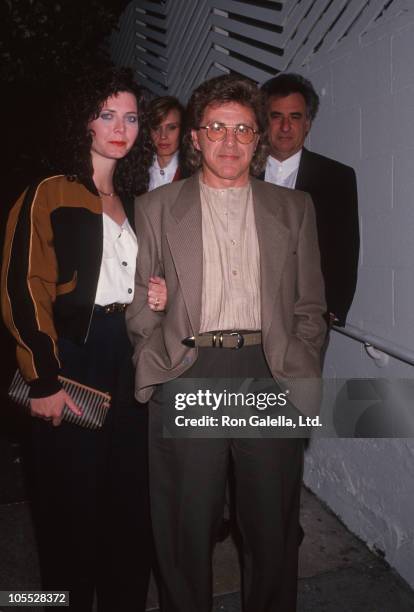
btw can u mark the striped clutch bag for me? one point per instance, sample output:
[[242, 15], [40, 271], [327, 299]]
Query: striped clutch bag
[[94, 404]]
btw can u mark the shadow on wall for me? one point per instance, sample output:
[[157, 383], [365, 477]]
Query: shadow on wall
[[375, 408]]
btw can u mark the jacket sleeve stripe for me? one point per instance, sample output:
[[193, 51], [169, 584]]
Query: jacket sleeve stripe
[[28, 304]]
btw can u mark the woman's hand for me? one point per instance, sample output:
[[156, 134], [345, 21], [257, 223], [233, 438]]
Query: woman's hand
[[51, 408], [157, 293]]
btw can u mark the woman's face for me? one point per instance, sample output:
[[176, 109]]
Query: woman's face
[[116, 129], [166, 137]]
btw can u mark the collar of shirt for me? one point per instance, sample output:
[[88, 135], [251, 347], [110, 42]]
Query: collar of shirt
[[162, 176], [284, 172]]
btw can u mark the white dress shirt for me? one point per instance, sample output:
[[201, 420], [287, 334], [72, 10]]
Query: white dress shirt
[[162, 176], [117, 273], [283, 173]]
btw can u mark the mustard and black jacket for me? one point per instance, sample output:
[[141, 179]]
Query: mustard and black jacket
[[52, 258]]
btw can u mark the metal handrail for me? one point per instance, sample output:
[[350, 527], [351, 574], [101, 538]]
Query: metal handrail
[[381, 344]]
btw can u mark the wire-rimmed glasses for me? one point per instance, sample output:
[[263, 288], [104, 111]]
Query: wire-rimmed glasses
[[218, 131]]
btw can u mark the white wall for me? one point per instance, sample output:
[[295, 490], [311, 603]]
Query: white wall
[[367, 121]]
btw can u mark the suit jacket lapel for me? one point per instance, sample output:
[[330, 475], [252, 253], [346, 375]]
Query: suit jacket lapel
[[186, 244], [273, 239], [304, 177]]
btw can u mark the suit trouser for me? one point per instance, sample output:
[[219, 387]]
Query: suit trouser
[[90, 488], [187, 484]]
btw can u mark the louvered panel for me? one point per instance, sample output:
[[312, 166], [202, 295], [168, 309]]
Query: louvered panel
[[151, 78], [147, 32], [348, 28], [302, 18], [255, 32], [123, 40], [192, 43], [266, 58], [234, 64], [188, 58], [311, 31], [159, 7], [149, 20], [194, 72], [149, 46], [157, 62], [384, 11], [348, 17], [297, 34], [174, 45], [246, 9]]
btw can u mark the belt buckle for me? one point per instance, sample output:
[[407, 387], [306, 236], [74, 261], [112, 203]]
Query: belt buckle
[[109, 308], [240, 340]]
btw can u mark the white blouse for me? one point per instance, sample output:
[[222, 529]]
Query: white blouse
[[117, 273], [162, 176]]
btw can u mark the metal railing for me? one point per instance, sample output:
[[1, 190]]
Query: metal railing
[[376, 346]]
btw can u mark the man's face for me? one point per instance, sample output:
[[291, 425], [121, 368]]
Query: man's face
[[288, 125], [225, 163]]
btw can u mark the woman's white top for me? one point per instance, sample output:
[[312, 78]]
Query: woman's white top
[[162, 176], [117, 273]]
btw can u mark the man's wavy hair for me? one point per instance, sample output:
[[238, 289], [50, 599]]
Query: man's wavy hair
[[287, 83], [221, 90], [84, 103]]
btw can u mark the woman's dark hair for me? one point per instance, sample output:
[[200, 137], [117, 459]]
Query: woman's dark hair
[[159, 108], [83, 104], [287, 83], [221, 90]]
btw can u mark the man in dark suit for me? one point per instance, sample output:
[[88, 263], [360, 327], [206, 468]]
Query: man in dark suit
[[241, 263], [292, 106]]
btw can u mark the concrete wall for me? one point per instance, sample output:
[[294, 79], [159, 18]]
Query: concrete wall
[[367, 121]]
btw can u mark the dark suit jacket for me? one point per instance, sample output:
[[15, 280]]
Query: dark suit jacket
[[168, 220], [333, 189]]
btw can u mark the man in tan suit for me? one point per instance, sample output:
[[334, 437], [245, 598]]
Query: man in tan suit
[[239, 256]]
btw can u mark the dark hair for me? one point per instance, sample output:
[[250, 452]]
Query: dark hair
[[220, 90], [287, 83], [159, 108], [83, 104]]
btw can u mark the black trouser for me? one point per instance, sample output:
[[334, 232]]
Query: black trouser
[[90, 488], [187, 483]]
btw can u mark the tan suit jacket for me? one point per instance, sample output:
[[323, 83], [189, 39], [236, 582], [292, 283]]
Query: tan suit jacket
[[168, 225]]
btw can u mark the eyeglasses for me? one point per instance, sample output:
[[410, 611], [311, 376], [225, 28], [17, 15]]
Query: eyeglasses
[[218, 131]]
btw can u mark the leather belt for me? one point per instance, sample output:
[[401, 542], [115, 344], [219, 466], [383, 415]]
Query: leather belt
[[224, 339], [110, 308]]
